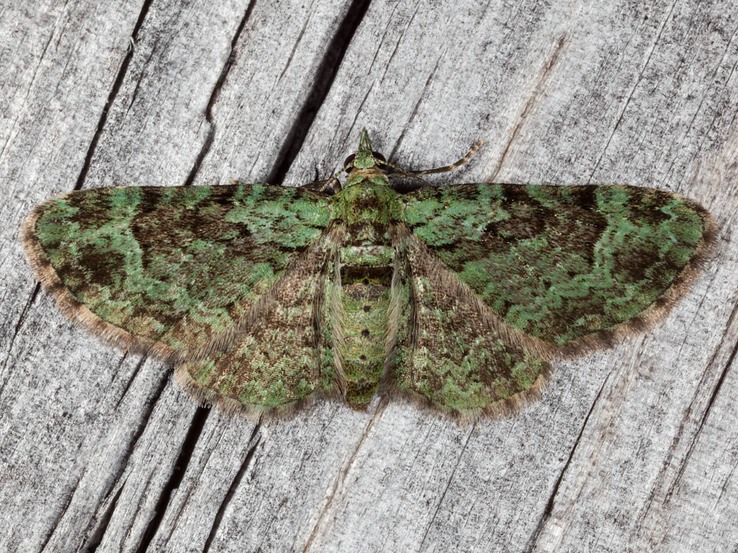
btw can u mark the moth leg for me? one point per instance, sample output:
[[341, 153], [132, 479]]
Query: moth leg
[[327, 186]]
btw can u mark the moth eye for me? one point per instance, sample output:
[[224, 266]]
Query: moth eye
[[378, 156], [349, 160]]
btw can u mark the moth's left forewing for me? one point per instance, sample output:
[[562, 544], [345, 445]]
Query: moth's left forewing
[[572, 265], [499, 279]]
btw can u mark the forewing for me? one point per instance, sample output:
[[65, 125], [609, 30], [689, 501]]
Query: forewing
[[166, 269], [448, 349], [568, 264]]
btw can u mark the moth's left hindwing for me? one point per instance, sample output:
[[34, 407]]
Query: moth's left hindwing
[[167, 269], [449, 350]]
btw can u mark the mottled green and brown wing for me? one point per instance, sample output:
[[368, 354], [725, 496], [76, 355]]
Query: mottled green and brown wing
[[571, 265], [167, 269], [283, 353], [448, 349]]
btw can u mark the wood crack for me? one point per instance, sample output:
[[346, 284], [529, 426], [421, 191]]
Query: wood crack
[[323, 79], [416, 107], [343, 473], [98, 533], [703, 419], [28, 91], [254, 441], [136, 369], [295, 46], [554, 492], [137, 88], [175, 478], [380, 42], [399, 41], [632, 92], [359, 111], [446, 487], [214, 94], [703, 98], [532, 99], [117, 83], [53, 526], [21, 321], [686, 418]]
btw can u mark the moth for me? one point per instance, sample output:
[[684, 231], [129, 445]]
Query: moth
[[266, 297]]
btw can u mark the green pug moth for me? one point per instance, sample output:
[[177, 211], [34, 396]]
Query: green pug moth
[[459, 297]]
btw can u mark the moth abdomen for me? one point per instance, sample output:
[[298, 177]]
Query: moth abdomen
[[366, 278]]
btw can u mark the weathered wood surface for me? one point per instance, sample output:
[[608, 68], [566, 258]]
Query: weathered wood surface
[[631, 449]]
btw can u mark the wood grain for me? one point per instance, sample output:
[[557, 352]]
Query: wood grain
[[630, 449]]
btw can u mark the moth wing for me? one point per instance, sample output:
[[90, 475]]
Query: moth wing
[[571, 265], [167, 269], [448, 349], [282, 354]]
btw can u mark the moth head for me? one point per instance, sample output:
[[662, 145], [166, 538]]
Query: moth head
[[377, 160], [365, 157]]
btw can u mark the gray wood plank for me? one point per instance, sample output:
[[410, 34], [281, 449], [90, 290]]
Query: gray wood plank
[[630, 449]]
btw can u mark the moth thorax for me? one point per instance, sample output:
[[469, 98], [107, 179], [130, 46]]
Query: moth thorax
[[368, 202]]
